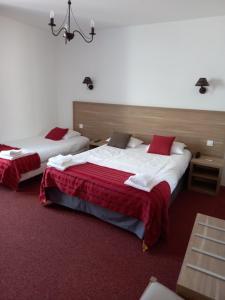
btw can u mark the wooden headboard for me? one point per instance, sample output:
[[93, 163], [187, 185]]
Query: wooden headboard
[[193, 127]]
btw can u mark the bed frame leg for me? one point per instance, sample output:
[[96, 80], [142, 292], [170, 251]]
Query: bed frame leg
[[47, 203], [153, 279], [144, 247]]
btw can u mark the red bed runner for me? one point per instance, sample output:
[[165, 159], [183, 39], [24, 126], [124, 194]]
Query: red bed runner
[[11, 170], [105, 187]]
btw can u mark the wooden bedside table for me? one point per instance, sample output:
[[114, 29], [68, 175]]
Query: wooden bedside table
[[205, 174], [97, 143]]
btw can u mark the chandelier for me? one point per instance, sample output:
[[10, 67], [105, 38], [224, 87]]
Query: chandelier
[[65, 28]]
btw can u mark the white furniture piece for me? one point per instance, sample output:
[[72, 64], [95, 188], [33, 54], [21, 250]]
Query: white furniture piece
[[202, 275], [157, 291]]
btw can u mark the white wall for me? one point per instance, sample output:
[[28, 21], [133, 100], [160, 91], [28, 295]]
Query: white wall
[[27, 80], [155, 65]]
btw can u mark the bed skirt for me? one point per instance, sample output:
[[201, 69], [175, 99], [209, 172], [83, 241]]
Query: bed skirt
[[131, 224], [125, 222]]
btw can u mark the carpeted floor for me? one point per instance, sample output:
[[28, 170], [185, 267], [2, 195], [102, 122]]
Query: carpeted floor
[[55, 253]]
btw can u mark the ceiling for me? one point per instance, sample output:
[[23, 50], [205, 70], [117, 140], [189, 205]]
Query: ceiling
[[112, 13]]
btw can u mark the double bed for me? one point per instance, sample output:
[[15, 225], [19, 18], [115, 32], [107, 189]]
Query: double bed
[[44, 148], [97, 187]]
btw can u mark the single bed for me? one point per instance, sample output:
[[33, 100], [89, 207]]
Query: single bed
[[127, 161], [46, 148]]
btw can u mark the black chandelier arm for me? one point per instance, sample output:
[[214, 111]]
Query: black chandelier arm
[[57, 32], [85, 39], [77, 24], [66, 27]]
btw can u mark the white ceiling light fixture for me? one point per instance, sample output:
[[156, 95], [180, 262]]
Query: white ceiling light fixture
[[69, 34]]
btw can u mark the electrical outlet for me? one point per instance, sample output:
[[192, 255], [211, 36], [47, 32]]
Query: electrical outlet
[[81, 126], [210, 143]]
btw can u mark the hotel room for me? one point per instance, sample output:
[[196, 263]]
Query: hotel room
[[112, 147]]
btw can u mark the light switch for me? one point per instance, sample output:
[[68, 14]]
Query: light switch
[[210, 143], [81, 126]]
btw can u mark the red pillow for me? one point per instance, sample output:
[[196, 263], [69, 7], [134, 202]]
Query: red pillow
[[161, 144], [56, 133]]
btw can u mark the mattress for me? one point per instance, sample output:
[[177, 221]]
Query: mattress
[[137, 160], [47, 148]]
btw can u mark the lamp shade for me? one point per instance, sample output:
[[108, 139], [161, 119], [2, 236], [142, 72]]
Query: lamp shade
[[202, 82], [87, 80]]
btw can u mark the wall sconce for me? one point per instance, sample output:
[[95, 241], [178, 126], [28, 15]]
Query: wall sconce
[[88, 82], [202, 82]]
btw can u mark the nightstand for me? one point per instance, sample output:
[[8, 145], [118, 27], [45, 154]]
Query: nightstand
[[205, 174], [97, 143]]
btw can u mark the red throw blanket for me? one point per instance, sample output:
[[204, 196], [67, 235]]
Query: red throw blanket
[[11, 170], [105, 187]]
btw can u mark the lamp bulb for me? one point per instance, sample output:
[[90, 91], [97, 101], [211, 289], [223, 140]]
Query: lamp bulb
[[92, 23], [52, 14]]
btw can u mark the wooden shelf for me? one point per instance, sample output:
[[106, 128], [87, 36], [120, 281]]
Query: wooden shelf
[[203, 188], [206, 176]]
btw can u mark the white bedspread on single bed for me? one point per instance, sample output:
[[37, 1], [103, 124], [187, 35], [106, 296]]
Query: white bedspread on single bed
[[137, 160], [47, 148]]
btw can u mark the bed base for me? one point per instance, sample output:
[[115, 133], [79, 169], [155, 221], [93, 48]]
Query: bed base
[[33, 173], [182, 184], [53, 195], [130, 224]]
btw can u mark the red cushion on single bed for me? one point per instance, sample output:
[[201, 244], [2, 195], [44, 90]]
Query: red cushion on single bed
[[161, 144], [56, 133]]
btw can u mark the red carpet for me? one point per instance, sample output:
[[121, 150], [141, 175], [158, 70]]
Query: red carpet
[[55, 253]]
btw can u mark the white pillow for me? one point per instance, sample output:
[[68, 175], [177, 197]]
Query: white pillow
[[70, 134], [177, 148], [133, 142]]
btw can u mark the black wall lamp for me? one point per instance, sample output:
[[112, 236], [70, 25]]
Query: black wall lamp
[[202, 82], [88, 82]]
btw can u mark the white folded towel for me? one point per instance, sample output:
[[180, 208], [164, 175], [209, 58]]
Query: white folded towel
[[61, 162], [14, 154], [141, 181]]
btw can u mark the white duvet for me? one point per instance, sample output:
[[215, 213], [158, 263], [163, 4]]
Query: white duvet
[[137, 161], [47, 148]]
